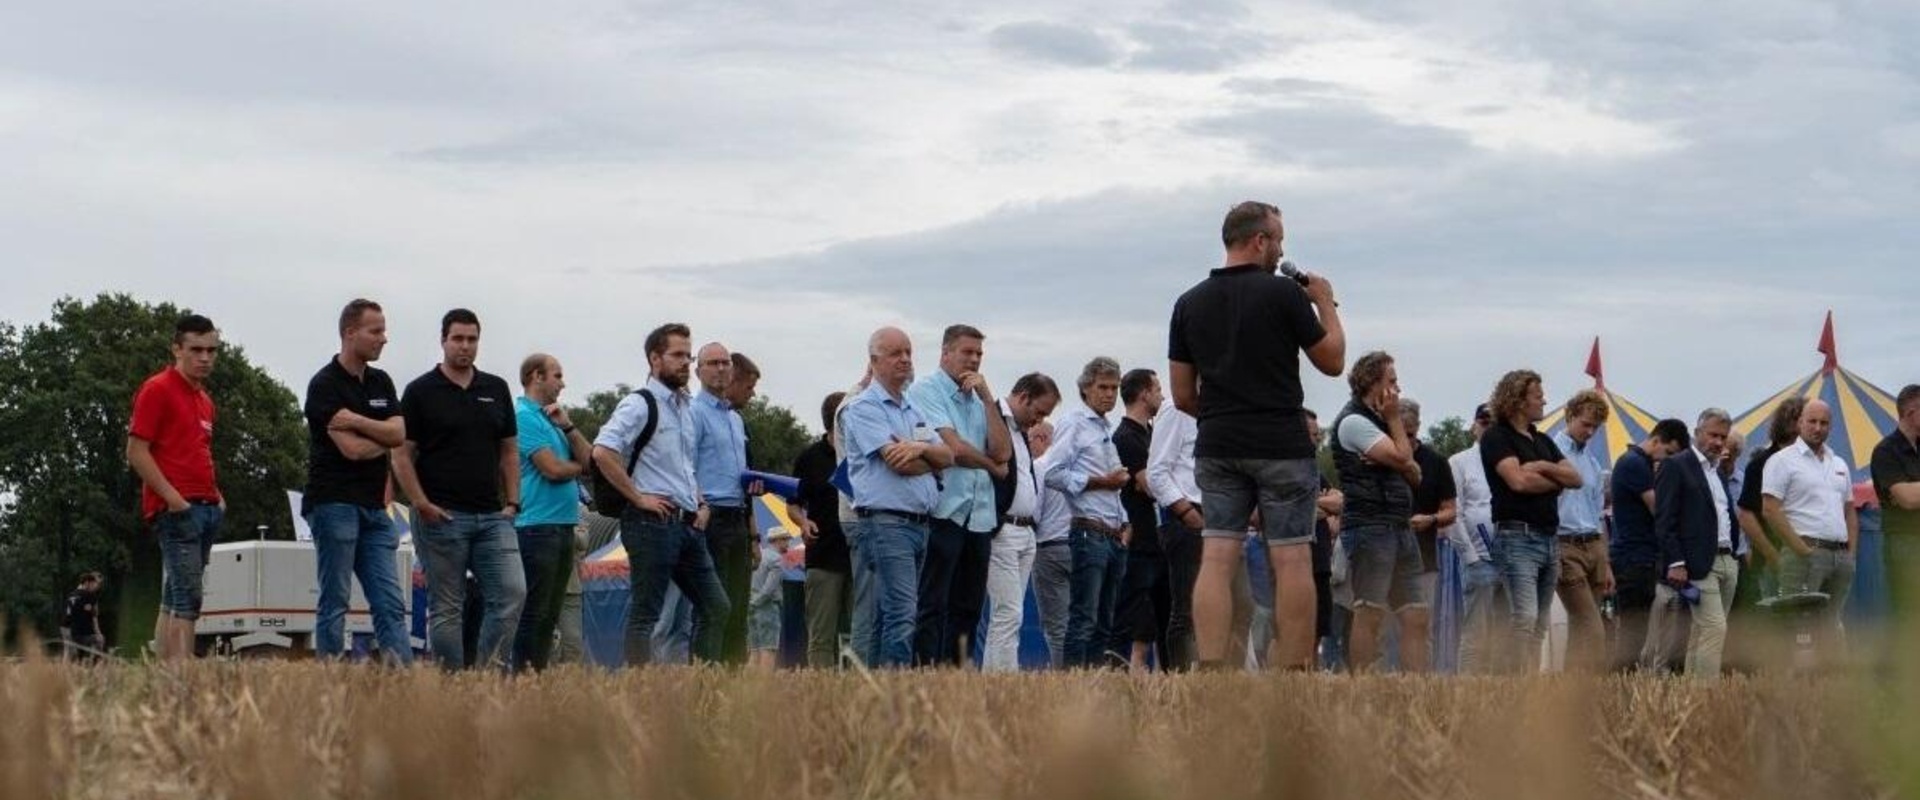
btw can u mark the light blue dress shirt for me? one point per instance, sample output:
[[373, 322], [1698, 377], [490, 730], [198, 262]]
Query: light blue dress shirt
[[966, 493], [1083, 450], [719, 450], [665, 467], [1580, 508], [872, 421]]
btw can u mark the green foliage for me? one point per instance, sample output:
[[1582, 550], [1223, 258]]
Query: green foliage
[[66, 394], [599, 406], [1450, 436], [775, 436]]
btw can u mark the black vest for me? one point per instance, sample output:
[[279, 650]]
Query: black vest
[[1376, 495]]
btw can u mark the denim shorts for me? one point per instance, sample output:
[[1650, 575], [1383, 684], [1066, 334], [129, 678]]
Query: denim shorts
[[186, 542], [1385, 567], [1283, 490]]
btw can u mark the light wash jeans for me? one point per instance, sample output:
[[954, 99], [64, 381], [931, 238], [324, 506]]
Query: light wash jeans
[[352, 541], [485, 545], [1529, 563]]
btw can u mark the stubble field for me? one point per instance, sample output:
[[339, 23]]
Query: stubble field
[[290, 730]]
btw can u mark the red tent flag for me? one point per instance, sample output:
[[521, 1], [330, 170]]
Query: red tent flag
[[1827, 347], [1593, 366]]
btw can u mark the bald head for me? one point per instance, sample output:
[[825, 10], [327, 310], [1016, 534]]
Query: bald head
[[714, 366], [890, 358], [1816, 424]]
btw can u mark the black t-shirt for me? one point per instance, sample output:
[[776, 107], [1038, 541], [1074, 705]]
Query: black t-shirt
[[1436, 487], [1242, 329], [1132, 440], [1501, 442], [83, 610], [1632, 539], [1750, 496], [815, 468], [332, 477], [458, 433], [1895, 460]]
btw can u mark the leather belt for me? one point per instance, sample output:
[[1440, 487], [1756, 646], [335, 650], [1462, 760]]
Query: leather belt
[[716, 512], [1520, 527], [1579, 538], [1050, 543], [674, 515], [917, 519], [1019, 522], [1725, 551], [1091, 524], [1823, 544]]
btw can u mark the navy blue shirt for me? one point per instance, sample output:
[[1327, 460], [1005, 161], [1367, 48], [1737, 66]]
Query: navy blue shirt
[[1632, 541]]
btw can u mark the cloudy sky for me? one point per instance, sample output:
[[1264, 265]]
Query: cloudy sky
[[1489, 184]]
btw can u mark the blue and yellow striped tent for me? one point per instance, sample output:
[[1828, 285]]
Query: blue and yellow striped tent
[[1863, 413], [1627, 425]]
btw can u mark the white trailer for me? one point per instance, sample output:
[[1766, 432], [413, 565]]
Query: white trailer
[[261, 595]]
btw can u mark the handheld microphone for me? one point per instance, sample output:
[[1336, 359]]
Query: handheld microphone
[[1291, 270]]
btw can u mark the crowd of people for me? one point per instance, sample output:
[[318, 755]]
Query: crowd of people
[[932, 505]]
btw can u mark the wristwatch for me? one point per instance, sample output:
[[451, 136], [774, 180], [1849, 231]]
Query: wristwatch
[[514, 504]]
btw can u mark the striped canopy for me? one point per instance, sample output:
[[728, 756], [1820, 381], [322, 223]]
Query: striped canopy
[[1863, 413]]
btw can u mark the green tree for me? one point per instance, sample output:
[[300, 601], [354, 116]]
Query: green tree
[[590, 416], [1450, 436], [775, 436], [66, 393]]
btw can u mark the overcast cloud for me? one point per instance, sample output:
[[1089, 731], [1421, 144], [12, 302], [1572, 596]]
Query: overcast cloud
[[1489, 184]]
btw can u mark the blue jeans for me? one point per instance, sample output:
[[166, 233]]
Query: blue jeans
[[1529, 563], [546, 553], [353, 541], [1099, 565], [673, 634], [186, 542], [861, 637], [1481, 589], [893, 549], [485, 545], [663, 551]]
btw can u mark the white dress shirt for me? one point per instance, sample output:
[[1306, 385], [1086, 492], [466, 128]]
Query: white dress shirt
[[1813, 490], [1026, 488], [1052, 519], [1475, 503], [1170, 457], [1722, 522]]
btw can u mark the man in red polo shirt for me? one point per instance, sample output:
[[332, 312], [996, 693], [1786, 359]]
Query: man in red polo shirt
[[170, 446]]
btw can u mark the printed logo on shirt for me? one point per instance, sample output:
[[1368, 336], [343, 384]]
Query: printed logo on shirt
[[378, 402], [485, 399]]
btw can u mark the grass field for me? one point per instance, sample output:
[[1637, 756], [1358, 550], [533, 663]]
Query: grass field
[[284, 730]]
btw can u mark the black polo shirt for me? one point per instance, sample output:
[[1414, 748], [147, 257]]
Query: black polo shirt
[[331, 476], [458, 432], [1242, 329], [814, 468], [1895, 460], [1436, 487], [1131, 440], [1501, 442], [1750, 497]]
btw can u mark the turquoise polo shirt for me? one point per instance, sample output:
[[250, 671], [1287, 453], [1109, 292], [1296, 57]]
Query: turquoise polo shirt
[[542, 501]]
